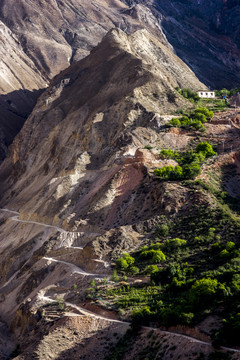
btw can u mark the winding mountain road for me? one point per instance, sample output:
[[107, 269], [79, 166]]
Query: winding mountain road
[[78, 270]]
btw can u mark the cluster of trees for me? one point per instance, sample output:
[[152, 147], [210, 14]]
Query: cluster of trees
[[189, 162], [195, 120], [188, 94], [126, 264], [182, 289], [193, 262], [228, 93]]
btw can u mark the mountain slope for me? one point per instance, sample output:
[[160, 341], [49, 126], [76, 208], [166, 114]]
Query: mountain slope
[[39, 39], [42, 38], [205, 36], [93, 108], [73, 163], [78, 190]]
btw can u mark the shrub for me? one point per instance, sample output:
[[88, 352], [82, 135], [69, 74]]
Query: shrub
[[163, 230], [155, 256], [121, 264], [150, 269], [167, 154], [204, 111], [61, 303], [115, 276], [174, 244], [205, 148], [200, 117], [175, 122], [124, 262], [169, 172], [205, 290], [189, 94], [148, 147], [158, 257], [134, 270], [190, 171], [230, 246]]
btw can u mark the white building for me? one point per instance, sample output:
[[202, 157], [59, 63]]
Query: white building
[[206, 94]]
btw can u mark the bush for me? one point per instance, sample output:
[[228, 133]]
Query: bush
[[169, 172], [190, 171], [168, 154], [134, 270], [163, 230], [189, 163], [205, 148], [175, 122], [189, 94], [158, 257], [124, 262], [150, 269], [174, 244], [155, 256], [204, 291], [121, 264], [204, 111], [115, 276]]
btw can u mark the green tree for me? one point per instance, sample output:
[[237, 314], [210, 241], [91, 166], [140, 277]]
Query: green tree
[[205, 148], [190, 171]]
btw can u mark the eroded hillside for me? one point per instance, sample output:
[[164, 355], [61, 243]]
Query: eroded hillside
[[79, 190], [41, 38]]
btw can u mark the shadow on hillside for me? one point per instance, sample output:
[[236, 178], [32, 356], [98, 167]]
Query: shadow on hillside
[[15, 107], [79, 337]]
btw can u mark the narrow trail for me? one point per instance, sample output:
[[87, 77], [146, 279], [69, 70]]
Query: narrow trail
[[16, 218], [83, 311], [96, 316], [75, 269]]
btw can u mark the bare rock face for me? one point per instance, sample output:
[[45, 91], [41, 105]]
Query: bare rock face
[[40, 39]]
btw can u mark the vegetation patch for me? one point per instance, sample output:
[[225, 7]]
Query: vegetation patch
[[190, 162], [192, 266], [194, 120]]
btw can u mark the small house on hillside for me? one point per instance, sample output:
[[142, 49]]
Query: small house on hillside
[[235, 100], [206, 94]]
